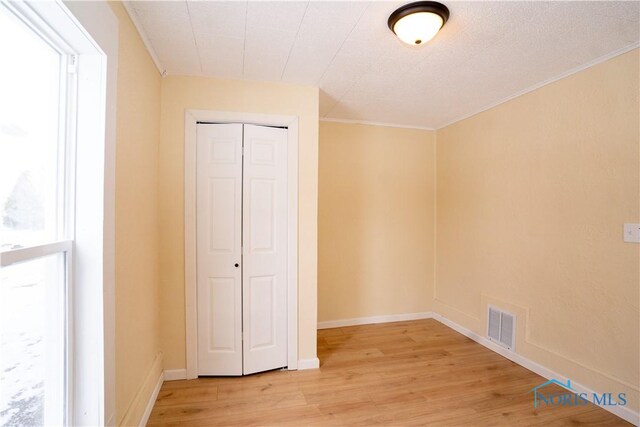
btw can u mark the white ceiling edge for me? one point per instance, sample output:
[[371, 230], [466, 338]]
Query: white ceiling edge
[[147, 43], [548, 81], [589, 64], [365, 122]]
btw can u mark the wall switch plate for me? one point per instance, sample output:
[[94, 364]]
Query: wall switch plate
[[632, 233]]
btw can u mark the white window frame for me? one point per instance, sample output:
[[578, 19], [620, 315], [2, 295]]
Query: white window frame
[[59, 406], [14, 256], [89, 31]]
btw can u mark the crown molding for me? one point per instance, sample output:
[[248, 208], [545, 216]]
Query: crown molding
[[371, 123]]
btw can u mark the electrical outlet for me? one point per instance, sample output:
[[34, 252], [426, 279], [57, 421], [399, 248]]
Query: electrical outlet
[[632, 233]]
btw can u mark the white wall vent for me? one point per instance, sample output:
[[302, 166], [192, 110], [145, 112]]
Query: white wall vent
[[501, 327]]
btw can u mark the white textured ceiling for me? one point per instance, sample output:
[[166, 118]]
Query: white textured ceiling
[[486, 53]]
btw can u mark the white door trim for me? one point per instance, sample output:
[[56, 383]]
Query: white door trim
[[191, 119]]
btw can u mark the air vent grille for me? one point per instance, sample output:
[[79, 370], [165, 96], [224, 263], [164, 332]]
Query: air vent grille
[[501, 327]]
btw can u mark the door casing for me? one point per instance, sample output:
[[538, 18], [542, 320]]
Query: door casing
[[192, 117]]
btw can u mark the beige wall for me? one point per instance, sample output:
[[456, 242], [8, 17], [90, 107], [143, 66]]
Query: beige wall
[[531, 199], [180, 93], [138, 359], [375, 221], [532, 196]]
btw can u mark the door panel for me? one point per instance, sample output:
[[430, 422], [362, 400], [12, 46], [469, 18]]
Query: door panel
[[222, 313], [264, 248], [262, 215], [219, 234], [263, 299], [222, 204]]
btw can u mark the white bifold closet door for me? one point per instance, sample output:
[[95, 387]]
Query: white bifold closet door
[[241, 248]]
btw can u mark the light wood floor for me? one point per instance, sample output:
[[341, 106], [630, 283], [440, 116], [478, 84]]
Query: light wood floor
[[404, 373]]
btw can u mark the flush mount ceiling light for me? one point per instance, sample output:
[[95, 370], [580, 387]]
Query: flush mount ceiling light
[[419, 22]]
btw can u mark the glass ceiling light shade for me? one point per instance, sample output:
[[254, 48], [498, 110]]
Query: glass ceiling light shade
[[419, 22]]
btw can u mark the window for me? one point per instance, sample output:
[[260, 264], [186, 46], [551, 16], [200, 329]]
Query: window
[[36, 223], [57, 154]]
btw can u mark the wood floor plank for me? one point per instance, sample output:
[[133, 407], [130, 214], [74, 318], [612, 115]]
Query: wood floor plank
[[395, 374], [168, 396]]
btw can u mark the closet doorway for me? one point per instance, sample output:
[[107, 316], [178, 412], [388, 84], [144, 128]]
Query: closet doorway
[[240, 247]]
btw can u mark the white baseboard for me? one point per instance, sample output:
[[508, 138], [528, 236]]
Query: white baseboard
[[142, 403], [175, 374], [152, 401], [375, 319], [625, 413], [308, 364]]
